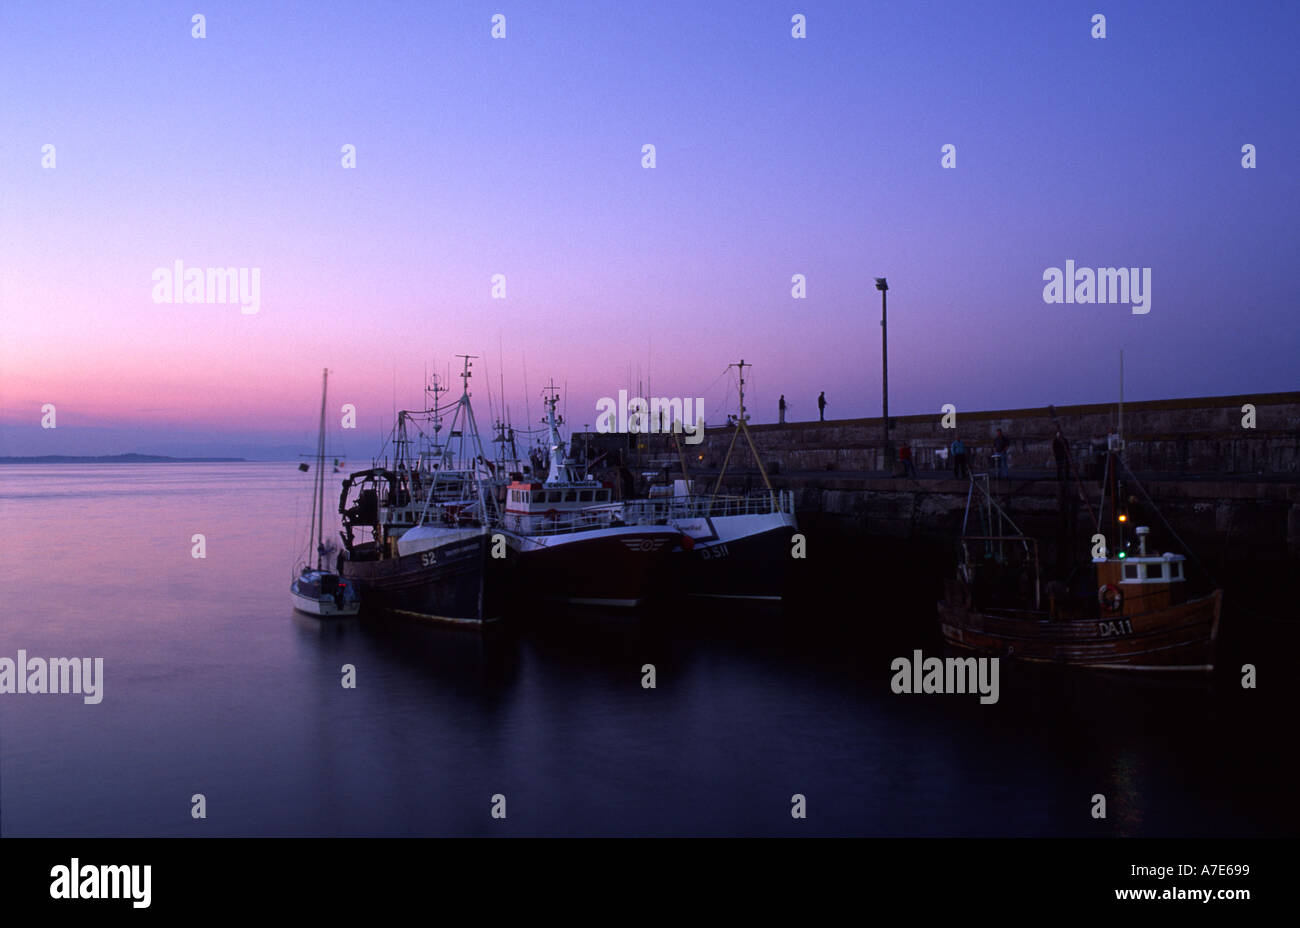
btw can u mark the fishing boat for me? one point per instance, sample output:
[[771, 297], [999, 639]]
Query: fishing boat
[[1126, 609], [574, 540], [731, 546], [418, 535], [316, 590]]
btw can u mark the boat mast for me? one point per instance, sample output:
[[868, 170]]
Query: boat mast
[[558, 470], [468, 422], [318, 494], [487, 501], [741, 426], [435, 387]]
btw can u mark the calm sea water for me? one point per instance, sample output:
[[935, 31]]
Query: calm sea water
[[213, 686]]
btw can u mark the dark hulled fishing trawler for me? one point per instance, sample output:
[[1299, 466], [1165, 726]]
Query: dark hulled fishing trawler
[[732, 546], [316, 590], [418, 535], [574, 541]]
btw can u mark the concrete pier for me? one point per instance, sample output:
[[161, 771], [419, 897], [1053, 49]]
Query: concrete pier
[[1202, 436], [1227, 478]]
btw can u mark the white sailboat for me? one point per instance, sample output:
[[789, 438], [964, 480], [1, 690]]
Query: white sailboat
[[316, 590]]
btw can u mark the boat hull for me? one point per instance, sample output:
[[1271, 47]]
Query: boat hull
[[322, 607], [618, 566], [735, 557], [316, 594], [456, 582], [1175, 638]]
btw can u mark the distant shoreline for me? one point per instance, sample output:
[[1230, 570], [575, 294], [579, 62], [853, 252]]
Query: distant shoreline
[[116, 459]]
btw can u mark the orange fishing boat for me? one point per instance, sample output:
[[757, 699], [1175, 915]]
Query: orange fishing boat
[[1129, 608]]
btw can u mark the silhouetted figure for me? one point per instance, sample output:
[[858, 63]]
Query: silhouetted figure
[[1098, 446], [821, 406], [1061, 452], [905, 458], [1002, 448], [780, 408], [958, 452]]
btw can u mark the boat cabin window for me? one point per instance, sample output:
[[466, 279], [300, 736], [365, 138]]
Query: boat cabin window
[[584, 496], [602, 496], [1130, 571], [553, 496], [1177, 570], [571, 496]]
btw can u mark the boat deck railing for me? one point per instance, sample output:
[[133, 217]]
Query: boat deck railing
[[561, 523], [702, 506]]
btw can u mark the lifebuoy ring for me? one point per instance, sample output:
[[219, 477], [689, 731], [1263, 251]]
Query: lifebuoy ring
[[1110, 598]]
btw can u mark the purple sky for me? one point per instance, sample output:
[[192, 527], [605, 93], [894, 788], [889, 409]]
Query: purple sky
[[522, 156]]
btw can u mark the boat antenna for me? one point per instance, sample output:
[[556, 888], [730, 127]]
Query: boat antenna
[[491, 407], [1120, 429], [528, 415]]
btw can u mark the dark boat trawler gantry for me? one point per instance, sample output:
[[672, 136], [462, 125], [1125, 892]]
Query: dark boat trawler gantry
[[732, 546], [418, 534]]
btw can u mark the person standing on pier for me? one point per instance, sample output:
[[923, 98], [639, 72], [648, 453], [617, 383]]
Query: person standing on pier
[[780, 408], [1002, 448], [958, 451], [1061, 451], [821, 406], [905, 457]]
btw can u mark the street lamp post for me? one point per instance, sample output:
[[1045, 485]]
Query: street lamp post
[[883, 287]]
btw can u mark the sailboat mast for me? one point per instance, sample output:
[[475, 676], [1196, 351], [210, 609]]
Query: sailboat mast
[[318, 515]]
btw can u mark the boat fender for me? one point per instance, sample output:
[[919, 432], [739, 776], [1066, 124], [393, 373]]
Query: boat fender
[[1110, 597]]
